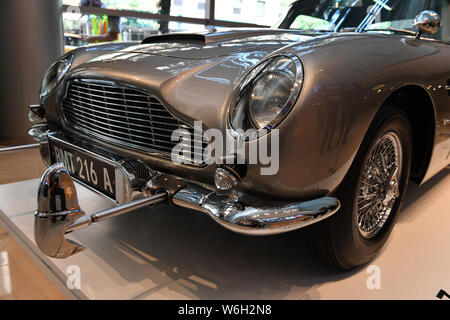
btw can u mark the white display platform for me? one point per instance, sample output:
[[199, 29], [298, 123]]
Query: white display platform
[[171, 253]]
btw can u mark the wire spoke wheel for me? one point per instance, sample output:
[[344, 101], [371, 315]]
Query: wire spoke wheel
[[379, 185]]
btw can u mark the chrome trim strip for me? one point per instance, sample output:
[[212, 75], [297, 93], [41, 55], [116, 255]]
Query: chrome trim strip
[[88, 124], [131, 118], [118, 84], [113, 138], [138, 125], [118, 105], [116, 93]]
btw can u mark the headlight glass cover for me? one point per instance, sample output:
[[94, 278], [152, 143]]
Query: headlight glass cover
[[268, 93], [55, 74]]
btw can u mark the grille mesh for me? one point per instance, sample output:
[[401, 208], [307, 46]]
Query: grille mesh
[[123, 116]]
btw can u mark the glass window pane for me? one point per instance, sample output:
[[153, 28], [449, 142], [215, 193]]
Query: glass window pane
[[132, 29], [260, 8], [201, 5], [263, 12], [133, 5], [188, 8], [179, 26]]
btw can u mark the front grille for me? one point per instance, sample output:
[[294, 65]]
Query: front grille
[[123, 116]]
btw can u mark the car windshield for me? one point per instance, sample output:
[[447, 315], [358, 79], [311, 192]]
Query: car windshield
[[357, 15]]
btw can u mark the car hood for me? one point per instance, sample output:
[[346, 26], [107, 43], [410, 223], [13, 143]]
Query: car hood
[[192, 74], [195, 75], [210, 44]]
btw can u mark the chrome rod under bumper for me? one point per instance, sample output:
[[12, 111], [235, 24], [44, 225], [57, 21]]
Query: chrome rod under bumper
[[19, 148], [255, 221], [117, 211]]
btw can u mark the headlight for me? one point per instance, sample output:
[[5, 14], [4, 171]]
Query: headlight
[[55, 74], [268, 93]]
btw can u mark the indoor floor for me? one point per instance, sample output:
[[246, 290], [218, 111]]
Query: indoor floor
[[171, 253]]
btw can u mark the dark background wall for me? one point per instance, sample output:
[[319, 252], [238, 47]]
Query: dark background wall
[[31, 39]]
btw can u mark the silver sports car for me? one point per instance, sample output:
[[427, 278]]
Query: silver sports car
[[318, 123]]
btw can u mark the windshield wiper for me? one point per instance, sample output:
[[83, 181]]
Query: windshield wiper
[[371, 16], [338, 25], [392, 30], [316, 30]]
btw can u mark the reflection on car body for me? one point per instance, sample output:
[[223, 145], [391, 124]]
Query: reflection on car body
[[357, 93]]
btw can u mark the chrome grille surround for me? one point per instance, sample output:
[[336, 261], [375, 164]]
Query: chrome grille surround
[[124, 116]]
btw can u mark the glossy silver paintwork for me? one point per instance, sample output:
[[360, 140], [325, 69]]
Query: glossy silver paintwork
[[347, 77], [198, 80]]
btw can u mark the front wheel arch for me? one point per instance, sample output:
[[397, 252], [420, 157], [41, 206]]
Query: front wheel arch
[[418, 106]]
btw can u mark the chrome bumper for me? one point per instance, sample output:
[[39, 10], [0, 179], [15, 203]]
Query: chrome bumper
[[58, 211], [237, 217]]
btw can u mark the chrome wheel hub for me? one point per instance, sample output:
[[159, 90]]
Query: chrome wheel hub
[[379, 186]]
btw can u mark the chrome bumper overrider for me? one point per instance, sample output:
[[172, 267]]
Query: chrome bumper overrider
[[59, 213]]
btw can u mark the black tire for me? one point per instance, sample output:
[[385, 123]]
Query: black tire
[[338, 239]]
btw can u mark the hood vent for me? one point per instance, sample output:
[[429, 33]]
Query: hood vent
[[176, 38]]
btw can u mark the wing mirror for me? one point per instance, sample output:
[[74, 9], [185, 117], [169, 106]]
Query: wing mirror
[[427, 22]]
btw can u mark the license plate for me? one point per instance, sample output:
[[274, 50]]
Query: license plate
[[96, 173]]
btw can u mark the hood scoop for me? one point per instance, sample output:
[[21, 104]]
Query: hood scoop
[[213, 36], [191, 38]]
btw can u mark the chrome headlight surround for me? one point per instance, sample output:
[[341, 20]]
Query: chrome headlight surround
[[55, 74], [241, 115]]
